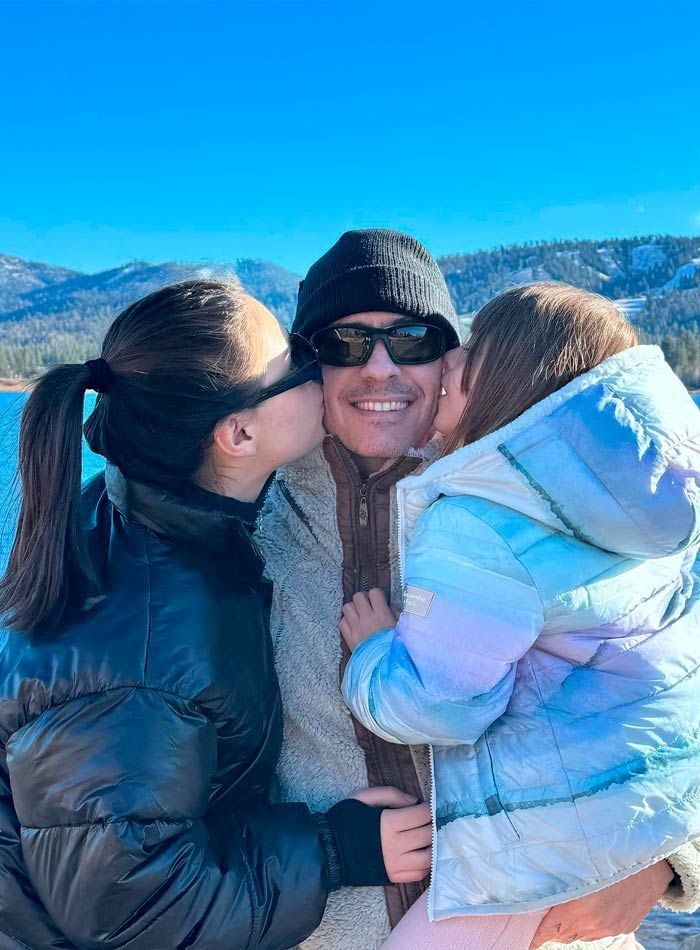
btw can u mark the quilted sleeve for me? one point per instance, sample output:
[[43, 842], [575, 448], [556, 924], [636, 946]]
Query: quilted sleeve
[[471, 611]]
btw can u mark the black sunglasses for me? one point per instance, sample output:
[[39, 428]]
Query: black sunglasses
[[306, 369], [352, 344]]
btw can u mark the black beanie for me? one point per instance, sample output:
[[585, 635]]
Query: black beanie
[[376, 269]]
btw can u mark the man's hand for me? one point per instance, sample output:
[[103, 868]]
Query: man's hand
[[407, 833], [618, 909], [365, 615]]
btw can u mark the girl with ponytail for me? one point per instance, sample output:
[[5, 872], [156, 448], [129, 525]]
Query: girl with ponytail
[[140, 718]]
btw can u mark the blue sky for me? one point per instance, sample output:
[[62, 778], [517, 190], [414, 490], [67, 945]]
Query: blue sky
[[218, 130]]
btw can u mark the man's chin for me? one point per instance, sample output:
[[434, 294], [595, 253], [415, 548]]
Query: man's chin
[[369, 436], [384, 448]]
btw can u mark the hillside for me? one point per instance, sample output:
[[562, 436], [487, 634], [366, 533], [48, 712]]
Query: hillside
[[50, 314], [623, 269]]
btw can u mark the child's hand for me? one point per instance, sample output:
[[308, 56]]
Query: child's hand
[[365, 615], [406, 833]]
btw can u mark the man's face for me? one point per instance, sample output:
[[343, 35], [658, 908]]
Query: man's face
[[381, 409]]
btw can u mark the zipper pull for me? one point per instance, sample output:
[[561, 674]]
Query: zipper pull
[[364, 514]]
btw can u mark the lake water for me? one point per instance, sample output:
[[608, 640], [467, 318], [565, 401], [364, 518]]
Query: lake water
[[662, 930], [10, 412]]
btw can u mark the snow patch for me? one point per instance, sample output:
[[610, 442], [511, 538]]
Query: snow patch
[[647, 256], [630, 307], [527, 275], [684, 272], [610, 265], [574, 256]]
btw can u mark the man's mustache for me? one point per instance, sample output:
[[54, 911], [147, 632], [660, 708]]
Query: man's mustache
[[384, 393]]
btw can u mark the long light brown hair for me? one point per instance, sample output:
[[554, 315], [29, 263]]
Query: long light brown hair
[[531, 341]]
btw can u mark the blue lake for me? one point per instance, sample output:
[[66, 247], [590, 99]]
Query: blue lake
[[661, 930], [10, 412]]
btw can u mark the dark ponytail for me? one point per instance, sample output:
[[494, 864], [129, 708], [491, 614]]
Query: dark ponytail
[[48, 558], [173, 365]]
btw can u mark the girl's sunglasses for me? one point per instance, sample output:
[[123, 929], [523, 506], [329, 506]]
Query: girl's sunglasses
[[352, 344], [305, 369]]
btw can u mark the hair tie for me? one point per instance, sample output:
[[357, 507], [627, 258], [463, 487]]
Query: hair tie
[[100, 375]]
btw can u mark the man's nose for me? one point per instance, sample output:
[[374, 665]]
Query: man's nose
[[380, 365]]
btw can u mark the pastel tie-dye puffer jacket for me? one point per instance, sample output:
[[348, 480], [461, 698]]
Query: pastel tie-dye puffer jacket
[[549, 647]]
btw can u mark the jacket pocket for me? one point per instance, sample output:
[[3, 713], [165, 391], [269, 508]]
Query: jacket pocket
[[495, 808]]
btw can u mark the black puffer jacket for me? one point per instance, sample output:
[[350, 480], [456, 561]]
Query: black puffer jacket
[[138, 745]]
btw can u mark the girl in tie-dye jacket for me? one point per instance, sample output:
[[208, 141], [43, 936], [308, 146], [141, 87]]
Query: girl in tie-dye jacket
[[549, 644]]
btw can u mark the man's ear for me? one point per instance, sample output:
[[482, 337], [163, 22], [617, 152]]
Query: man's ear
[[234, 436]]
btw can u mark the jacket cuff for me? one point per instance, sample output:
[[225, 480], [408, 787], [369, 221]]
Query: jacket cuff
[[683, 894], [356, 829], [327, 838]]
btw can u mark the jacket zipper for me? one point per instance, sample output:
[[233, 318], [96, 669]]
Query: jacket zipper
[[364, 514], [363, 521], [433, 817]]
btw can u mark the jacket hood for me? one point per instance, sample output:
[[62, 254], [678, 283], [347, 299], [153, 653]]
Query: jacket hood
[[613, 459]]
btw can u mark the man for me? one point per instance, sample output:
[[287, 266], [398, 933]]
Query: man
[[328, 531]]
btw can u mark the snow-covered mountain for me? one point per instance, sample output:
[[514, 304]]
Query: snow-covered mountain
[[52, 310], [52, 295], [18, 277], [621, 268]]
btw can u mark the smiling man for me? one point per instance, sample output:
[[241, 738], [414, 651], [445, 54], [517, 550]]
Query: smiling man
[[381, 396], [377, 309]]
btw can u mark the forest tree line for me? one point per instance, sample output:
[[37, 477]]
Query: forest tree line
[[66, 321], [678, 337]]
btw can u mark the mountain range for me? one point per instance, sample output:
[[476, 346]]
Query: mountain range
[[52, 313]]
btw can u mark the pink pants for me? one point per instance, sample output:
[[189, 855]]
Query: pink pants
[[490, 932]]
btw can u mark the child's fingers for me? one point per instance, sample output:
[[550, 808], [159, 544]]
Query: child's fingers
[[350, 614], [416, 860], [361, 601], [404, 819], [385, 796], [377, 598], [417, 838]]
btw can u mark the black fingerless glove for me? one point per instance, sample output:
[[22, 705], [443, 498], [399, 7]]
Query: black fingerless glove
[[351, 835]]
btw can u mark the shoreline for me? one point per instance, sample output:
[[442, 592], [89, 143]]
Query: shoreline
[[14, 385]]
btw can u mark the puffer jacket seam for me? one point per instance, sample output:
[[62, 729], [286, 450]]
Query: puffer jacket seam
[[663, 446], [639, 603], [609, 491], [681, 444], [508, 545], [634, 702], [584, 836], [557, 511], [524, 729], [255, 919], [524, 845], [110, 689], [155, 920], [555, 508], [102, 822], [149, 610], [16, 939]]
